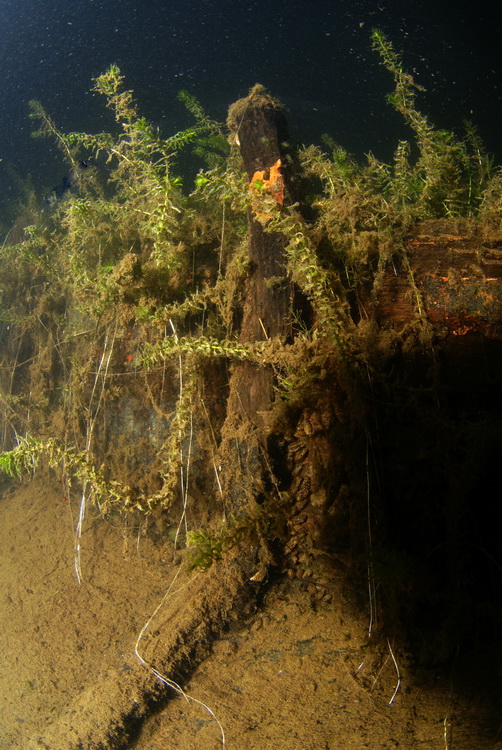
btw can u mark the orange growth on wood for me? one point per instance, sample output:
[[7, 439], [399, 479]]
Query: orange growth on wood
[[273, 184]]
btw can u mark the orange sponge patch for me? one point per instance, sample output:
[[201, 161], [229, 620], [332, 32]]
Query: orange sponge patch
[[273, 184]]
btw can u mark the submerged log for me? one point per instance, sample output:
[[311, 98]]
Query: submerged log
[[456, 271], [451, 278], [258, 126]]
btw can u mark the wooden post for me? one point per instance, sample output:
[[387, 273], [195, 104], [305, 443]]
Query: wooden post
[[259, 127]]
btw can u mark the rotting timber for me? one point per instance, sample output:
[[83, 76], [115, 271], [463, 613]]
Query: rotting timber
[[258, 123], [457, 272]]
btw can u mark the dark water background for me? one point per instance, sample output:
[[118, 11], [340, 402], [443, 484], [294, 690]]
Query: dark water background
[[315, 55]]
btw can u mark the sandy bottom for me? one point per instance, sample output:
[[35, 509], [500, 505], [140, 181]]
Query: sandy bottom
[[289, 676]]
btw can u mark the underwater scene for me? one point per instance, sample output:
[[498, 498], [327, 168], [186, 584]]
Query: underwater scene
[[250, 375]]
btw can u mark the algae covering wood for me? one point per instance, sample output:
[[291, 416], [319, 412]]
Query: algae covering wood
[[451, 274], [258, 125]]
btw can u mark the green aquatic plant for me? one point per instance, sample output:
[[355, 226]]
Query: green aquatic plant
[[136, 203], [76, 465], [204, 548], [491, 201], [450, 174], [122, 308], [47, 128], [252, 527], [130, 206], [12, 464], [205, 346], [321, 285]]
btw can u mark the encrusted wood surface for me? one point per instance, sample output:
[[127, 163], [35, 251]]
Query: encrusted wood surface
[[259, 127], [453, 272]]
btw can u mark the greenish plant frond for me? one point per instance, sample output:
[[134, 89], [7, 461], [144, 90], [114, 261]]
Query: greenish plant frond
[[213, 149], [96, 143], [256, 524], [193, 304], [111, 85], [491, 201], [449, 174], [205, 548], [335, 173], [203, 345], [353, 197], [48, 129], [223, 185], [404, 97], [320, 285], [197, 111], [210, 143], [127, 244], [184, 137], [30, 452], [193, 105], [11, 464], [406, 185], [356, 212]]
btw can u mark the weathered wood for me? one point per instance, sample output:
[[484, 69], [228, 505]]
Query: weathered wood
[[259, 127], [454, 271]]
